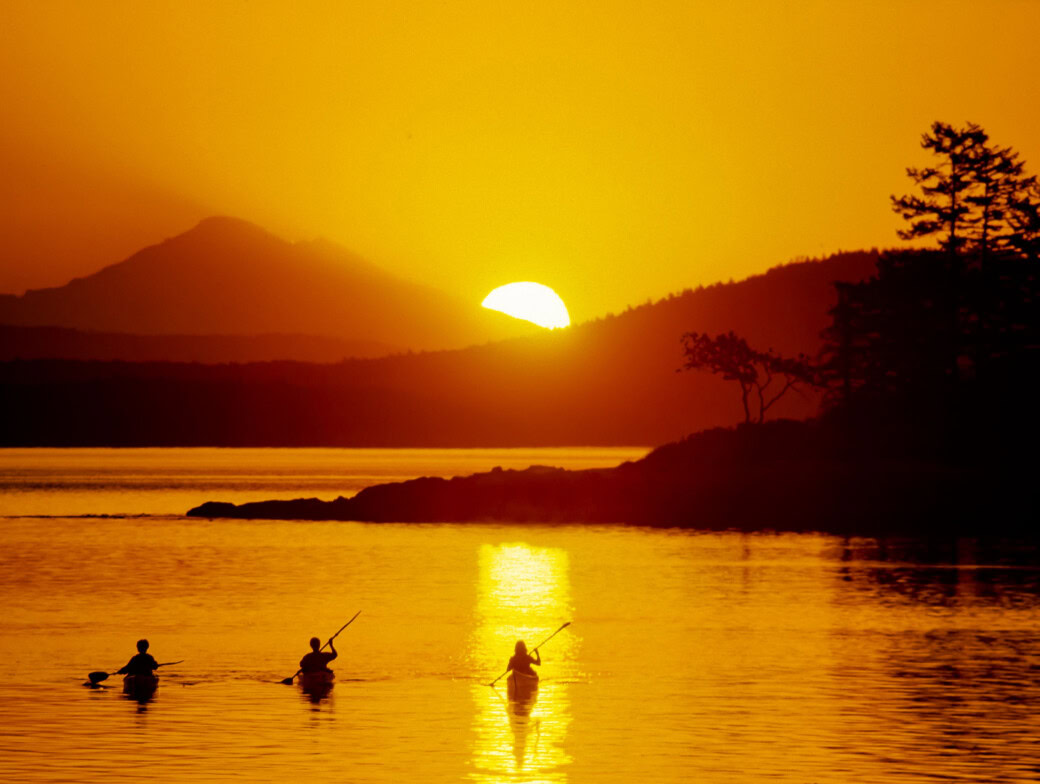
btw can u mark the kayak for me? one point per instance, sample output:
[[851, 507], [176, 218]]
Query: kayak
[[322, 680], [521, 687], [140, 685]]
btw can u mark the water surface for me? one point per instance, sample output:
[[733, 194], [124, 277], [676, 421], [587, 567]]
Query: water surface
[[717, 657], [171, 481]]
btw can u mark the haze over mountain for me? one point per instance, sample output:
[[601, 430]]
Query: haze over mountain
[[609, 381], [229, 277]]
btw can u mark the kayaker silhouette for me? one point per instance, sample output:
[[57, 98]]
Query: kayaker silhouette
[[522, 685], [521, 660], [317, 660], [142, 663]]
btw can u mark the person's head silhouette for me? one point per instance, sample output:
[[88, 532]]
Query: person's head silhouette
[[315, 643]]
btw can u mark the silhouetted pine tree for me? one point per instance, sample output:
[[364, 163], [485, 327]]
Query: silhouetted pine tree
[[1023, 218], [1000, 183], [943, 208], [977, 198]]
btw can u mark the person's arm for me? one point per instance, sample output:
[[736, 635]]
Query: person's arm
[[153, 663], [333, 654], [122, 670], [537, 658]]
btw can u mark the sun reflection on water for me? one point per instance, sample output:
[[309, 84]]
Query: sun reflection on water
[[523, 593]]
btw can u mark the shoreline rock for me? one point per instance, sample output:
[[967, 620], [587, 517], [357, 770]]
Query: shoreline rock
[[696, 484]]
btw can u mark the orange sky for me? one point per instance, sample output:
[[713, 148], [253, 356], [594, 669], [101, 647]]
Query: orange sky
[[614, 151]]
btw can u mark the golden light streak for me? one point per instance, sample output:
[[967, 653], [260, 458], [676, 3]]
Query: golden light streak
[[523, 593]]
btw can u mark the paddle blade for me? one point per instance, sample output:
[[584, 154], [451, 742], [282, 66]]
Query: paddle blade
[[288, 681], [97, 676]]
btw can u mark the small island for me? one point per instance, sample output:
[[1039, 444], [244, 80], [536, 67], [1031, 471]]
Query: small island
[[780, 476]]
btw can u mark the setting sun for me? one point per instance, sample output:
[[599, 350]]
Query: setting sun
[[529, 301]]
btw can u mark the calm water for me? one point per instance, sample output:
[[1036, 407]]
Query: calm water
[[691, 657], [74, 482]]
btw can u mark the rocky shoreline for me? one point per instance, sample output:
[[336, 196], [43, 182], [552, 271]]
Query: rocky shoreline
[[765, 478]]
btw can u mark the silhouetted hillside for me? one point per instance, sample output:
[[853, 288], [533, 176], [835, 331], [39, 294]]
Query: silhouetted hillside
[[65, 343], [611, 381], [229, 277], [776, 476]]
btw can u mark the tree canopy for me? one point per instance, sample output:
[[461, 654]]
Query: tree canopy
[[977, 198]]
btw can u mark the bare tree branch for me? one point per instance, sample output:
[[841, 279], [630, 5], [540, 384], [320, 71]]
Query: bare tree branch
[[729, 356]]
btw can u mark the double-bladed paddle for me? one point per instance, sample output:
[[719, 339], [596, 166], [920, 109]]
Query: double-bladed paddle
[[535, 648], [288, 681], [97, 676]]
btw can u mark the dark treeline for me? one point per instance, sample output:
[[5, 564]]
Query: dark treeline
[[938, 355], [66, 343], [610, 381]]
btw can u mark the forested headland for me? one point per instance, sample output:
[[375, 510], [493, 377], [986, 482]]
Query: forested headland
[[927, 375]]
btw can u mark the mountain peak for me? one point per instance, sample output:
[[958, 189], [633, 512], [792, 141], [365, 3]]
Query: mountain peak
[[225, 225], [227, 276]]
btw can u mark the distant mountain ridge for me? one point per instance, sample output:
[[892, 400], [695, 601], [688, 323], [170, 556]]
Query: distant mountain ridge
[[68, 343], [608, 381], [229, 277]]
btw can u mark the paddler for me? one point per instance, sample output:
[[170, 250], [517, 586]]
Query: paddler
[[317, 660], [521, 660], [142, 663]]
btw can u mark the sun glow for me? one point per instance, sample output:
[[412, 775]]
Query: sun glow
[[529, 301]]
